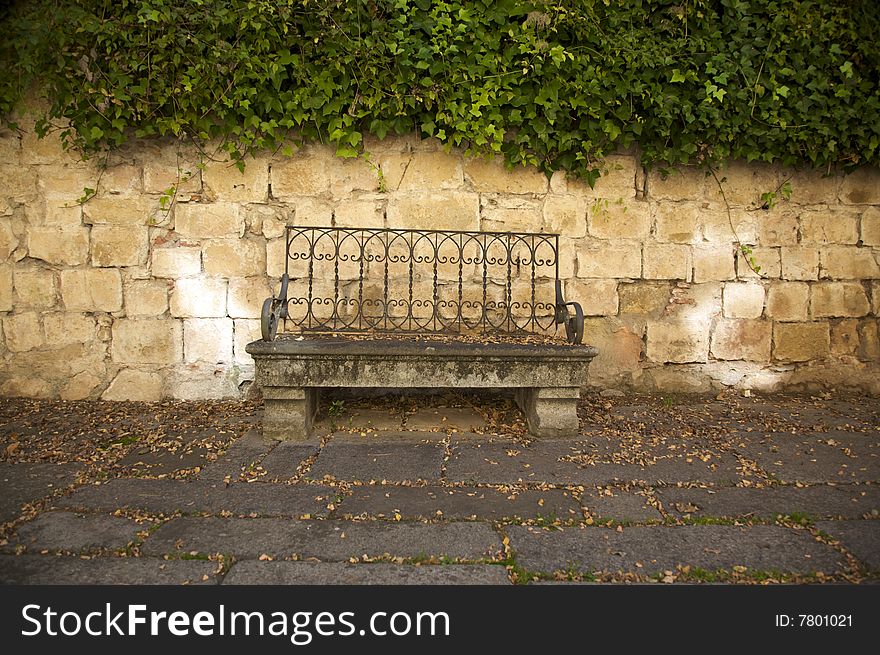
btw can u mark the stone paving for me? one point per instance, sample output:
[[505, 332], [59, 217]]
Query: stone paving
[[772, 489]]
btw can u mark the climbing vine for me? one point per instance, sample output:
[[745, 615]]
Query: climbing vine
[[557, 84]]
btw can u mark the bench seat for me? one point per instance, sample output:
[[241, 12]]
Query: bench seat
[[292, 370]]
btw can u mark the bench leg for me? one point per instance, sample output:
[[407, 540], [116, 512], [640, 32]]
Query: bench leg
[[550, 411], [289, 412]]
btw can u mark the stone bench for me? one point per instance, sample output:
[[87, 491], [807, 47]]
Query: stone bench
[[361, 303]]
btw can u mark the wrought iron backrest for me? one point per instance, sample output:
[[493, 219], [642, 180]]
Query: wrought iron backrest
[[340, 279]]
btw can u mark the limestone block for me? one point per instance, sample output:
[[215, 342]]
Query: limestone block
[[177, 262], [65, 183], [63, 217], [146, 298], [620, 259], [620, 350], [684, 183], [861, 187], [8, 239], [788, 301], [845, 337], [114, 245], [744, 182], [205, 221], [829, 226], [355, 174], [234, 257], [875, 298], [869, 341], [777, 227], [430, 171], [681, 378], [810, 187], [224, 181], [746, 339], [10, 146], [135, 384], [618, 220], [768, 259], [743, 300], [169, 168], [393, 165], [848, 263], [511, 214], [80, 386], [698, 303], [870, 227], [67, 247], [201, 381], [22, 332], [246, 296], [800, 263], [365, 212], [492, 176], [19, 184], [801, 342], [566, 215], [146, 341], [716, 225], [831, 299], [678, 223], [644, 298], [667, 261], [306, 173], [207, 340], [6, 287], [199, 298], [567, 256], [618, 179], [122, 179], [26, 387], [306, 212], [597, 297], [678, 341], [92, 289], [66, 328], [447, 210], [276, 256], [245, 331], [713, 263], [120, 210]]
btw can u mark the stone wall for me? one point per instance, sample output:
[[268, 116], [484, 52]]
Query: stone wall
[[120, 299]]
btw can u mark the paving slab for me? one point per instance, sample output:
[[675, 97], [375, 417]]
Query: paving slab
[[283, 461], [458, 503], [327, 540], [143, 461], [621, 506], [75, 532], [431, 419], [168, 496], [820, 501], [377, 573], [386, 436], [861, 538], [372, 419], [52, 570], [831, 457], [660, 548], [563, 463], [384, 461], [24, 482], [241, 454]]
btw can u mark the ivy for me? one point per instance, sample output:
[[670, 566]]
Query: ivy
[[557, 84]]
